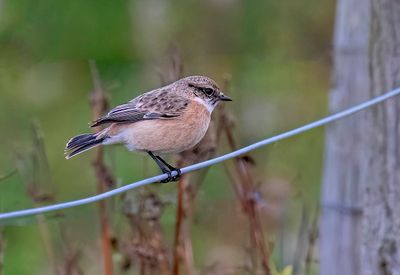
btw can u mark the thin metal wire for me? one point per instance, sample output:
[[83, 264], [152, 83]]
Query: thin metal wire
[[244, 150]]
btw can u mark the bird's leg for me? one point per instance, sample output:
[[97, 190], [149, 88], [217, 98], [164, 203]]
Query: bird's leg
[[171, 168], [163, 167]]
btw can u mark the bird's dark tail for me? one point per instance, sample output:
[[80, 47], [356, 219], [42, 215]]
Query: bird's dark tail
[[81, 143]]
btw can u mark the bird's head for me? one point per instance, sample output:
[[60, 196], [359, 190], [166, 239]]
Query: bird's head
[[202, 89]]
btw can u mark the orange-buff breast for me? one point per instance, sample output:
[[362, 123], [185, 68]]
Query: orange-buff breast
[[164, 136]]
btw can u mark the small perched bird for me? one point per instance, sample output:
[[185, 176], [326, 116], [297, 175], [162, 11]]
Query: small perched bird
[[171, 119]]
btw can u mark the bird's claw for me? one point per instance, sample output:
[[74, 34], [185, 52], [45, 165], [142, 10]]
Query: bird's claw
[[170, 177], [178, 174]]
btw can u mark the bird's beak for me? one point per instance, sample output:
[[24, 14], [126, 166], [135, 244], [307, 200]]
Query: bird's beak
[[223, 97]]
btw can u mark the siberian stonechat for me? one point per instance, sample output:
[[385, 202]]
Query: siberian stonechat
[[171, 119]]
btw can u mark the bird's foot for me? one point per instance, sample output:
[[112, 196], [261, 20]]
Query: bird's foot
[[178, 174], [170, 177]]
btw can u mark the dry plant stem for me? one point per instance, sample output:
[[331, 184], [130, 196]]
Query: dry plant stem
[[178, 225], [34, 189], [142, 268], [142, 239], [186, 190], [45, 232], [138, 224], [104, 222], [301, 246], [71, 264], [71, 255], [172, 72], [253, 215], [162, 257], [8, 174], [188, 249], [147, 231], [103, 175], [239, 193], [186, 193], [146, 246], [312, 240], [248, 203], [156, 238], [245, 188]]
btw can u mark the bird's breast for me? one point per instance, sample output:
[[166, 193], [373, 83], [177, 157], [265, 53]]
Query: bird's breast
[[163, 136]]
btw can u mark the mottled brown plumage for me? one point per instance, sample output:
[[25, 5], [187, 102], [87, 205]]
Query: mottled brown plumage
[[170, 119], [163, 103]]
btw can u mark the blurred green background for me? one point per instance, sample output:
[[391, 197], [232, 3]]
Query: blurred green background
[[277, 52]]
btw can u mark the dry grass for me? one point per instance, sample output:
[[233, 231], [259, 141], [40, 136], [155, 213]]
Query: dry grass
[[105, 179]]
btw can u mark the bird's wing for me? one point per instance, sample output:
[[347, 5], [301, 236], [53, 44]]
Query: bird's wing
[[151, 105]]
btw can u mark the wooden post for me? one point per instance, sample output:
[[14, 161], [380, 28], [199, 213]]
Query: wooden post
[[360, 223]]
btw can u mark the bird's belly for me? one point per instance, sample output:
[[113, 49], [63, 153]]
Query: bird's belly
[[166, 136]]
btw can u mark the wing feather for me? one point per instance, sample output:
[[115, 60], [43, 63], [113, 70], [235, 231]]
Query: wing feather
[[145, 107]]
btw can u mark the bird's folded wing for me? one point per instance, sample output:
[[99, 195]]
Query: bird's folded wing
[[134, 112]]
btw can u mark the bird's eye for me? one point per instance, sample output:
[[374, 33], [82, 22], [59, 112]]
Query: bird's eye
[[208, 91]]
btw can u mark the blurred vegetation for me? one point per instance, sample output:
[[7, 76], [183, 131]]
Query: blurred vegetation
[[277, 52]]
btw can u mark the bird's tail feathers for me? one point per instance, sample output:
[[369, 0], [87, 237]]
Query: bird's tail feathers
[[82, 143]]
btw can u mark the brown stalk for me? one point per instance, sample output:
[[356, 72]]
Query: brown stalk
[[71, 255], [141, 237], [35, 173], [250, 206], [246, 189], [71, 266], [187, 185], [147, 243], [180, 216], [187, 189], [312, 240], [146, 247], [169, 72], [105, 180], [299, 251]]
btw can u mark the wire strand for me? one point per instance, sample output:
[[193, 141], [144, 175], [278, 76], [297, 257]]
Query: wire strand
[[200, 165]]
